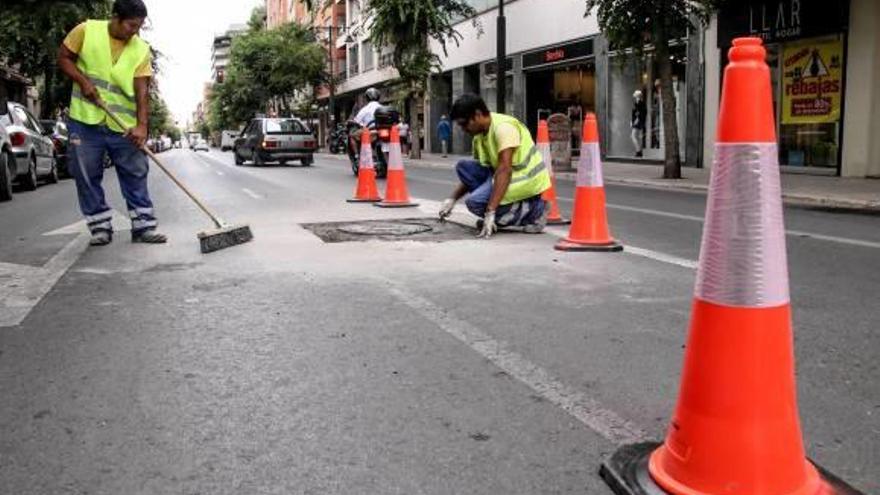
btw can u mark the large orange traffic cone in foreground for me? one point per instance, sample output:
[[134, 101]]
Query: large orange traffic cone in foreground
[[396, 194], [589, 225], [366, 191], [735, 430], [555, 216]]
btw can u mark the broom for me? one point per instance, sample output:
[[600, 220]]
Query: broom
[[224, 235]]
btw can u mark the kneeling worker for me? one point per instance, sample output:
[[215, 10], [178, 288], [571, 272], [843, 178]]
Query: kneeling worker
[[508, 175]]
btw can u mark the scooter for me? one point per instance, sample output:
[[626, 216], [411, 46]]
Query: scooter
[[337, 139], [385, 118]]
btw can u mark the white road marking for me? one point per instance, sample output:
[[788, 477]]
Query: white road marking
[[637, 251], [25, 286], [120, 222], [585, 409], [219, 173], [695, 218], [251, 193]]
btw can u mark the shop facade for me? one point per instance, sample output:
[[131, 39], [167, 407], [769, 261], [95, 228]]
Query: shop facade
[[824, 100]]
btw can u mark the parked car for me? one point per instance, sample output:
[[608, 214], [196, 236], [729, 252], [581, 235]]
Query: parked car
[[34, 151], [60, 136], [275, 140], [227, 140], [201, 144], [7, 158]]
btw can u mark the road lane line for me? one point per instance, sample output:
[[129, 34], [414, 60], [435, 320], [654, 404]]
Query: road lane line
[[30, 284], [637, 251], [690, 218], [219, 173], [251, 193], [585, 409]]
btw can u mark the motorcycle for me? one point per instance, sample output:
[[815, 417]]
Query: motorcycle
[[337, 139], [385, 118]]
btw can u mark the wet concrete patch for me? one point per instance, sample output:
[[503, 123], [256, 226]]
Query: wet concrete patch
[[407, 229]]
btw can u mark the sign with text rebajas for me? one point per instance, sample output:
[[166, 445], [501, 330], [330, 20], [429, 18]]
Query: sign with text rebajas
[[812, 81]]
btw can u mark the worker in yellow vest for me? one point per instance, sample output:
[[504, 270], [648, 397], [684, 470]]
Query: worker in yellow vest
[[507, 176], [108, 61]]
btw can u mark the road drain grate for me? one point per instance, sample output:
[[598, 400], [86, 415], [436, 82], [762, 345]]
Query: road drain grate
[[407, 229]]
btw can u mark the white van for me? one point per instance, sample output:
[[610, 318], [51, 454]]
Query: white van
[[227, 140]]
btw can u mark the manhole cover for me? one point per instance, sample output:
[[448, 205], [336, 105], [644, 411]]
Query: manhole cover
[[386, 228], [405, 229]]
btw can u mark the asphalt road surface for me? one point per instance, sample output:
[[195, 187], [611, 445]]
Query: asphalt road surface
[[289, 365]]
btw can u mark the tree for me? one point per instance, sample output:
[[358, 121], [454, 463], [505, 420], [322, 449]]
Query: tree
[[31, 32], [408, 26], [637, 24], [266, 67]]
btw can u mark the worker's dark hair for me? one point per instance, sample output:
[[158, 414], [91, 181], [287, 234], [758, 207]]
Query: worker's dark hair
[[466, 106], [129, 9]]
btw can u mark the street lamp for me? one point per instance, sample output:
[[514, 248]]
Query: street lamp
[[501, 61]]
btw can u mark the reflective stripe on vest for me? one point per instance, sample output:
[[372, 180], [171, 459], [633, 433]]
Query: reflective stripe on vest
[[530, 175], [114, 81]]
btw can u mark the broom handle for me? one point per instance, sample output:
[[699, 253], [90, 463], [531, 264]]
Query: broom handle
[[219, 223]]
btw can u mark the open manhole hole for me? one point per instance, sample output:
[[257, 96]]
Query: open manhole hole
[[407, 229], [386, 228]]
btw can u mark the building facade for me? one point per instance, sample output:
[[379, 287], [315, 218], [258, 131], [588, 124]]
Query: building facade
[[824, 60], [220, 50]]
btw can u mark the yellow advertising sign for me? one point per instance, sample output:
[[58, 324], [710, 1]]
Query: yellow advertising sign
[[812, 81]]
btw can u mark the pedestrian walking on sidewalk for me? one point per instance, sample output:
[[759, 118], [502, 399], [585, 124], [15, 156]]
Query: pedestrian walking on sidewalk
[[506, 180], [107, 60], [444, 134]]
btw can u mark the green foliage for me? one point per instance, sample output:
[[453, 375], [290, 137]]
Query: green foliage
[[31, 32], [257, 21], [636, 23], [408, 25], [267, 64]]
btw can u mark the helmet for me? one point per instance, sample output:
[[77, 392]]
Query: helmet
[[372, 94], [637, 94]]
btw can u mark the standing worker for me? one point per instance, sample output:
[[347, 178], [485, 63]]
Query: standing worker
[[506, 180], [444, 134], [108, 61]]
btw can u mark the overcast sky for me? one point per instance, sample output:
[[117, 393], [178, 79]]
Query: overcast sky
[[183, 31]]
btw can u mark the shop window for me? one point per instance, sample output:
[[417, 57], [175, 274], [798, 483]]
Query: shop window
[[635, 116], [807, 77]]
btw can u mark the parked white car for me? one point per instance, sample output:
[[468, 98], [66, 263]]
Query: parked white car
[[7, 159], [201, 144], [227, 140], [33, 149]]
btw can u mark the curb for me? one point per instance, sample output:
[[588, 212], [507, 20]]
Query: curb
[[788, 199]]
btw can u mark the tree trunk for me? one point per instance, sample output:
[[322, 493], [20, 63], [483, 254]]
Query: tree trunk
[[672, 158], [414, 137], [48, 97]]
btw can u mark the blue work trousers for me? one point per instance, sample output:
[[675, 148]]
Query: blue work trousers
[[88, 145], [478, 180]]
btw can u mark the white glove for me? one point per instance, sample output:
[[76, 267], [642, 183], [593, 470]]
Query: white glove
[[489, 226], [446, 208]]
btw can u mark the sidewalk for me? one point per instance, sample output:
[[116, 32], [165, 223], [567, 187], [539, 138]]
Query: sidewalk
[[797, 189]]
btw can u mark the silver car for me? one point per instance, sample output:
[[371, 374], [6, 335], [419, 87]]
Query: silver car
[[7, 159], [33, 149]]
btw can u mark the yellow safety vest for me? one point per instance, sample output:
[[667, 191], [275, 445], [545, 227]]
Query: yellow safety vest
[[530, 176], [115, 82]]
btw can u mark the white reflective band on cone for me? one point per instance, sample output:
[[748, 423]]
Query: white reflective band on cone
[[544, 150], [395, 157], [742, 257], [366, 158], [590, 166]]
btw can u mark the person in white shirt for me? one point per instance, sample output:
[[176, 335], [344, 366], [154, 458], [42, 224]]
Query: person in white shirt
[[366, 116]]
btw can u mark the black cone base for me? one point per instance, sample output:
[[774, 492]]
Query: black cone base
[[356, 200], [626, 473]]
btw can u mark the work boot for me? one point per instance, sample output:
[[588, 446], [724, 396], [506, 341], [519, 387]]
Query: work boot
[[101, 238], [540, 223], [149, 237]]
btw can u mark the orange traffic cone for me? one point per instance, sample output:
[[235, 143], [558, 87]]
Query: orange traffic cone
[[543, 144], [366, 191], [396, 194], [589, 225], [735, 430]]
